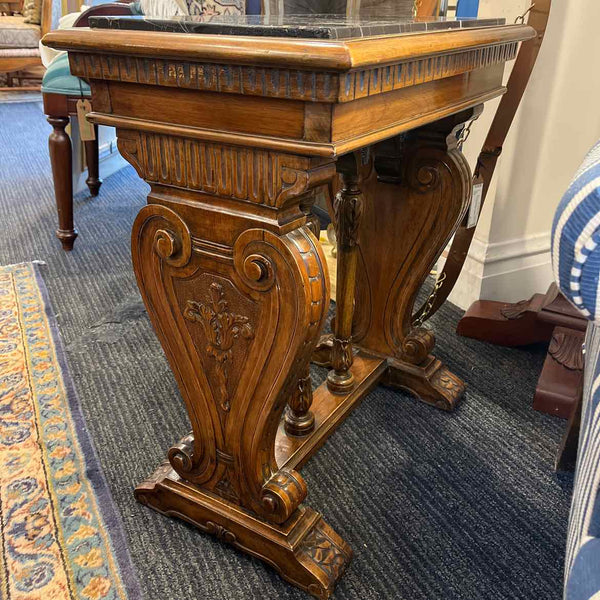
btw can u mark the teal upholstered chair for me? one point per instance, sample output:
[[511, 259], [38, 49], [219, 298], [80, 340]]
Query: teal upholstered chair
[[61, 91]]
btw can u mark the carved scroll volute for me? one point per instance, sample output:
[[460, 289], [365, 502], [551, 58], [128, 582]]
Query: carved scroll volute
[[287, 274], [439, 176], [161, 253], [128, 143], [415, 198]]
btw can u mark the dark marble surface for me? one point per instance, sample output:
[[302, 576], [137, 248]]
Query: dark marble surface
[[331, 27]]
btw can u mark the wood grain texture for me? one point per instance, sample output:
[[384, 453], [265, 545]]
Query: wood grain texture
[[251, 175], [234, 136], [347, 211], [314, 86], [297, 53], [305, 550], [417, 189], [285, 126], [61, 159], [329, 410]]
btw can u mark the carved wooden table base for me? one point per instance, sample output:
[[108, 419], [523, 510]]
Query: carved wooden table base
[[238, 292], [403, 200], [235, 135]]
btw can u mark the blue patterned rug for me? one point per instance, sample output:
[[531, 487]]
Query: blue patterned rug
[[60, 537]]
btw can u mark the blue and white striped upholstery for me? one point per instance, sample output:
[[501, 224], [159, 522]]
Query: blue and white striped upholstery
[[575, 238], [582, 564], [576, 263]]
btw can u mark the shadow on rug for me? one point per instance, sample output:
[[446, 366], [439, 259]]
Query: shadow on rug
[[60, 536]]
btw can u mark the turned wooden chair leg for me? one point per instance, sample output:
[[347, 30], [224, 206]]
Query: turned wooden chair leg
[[61, 159], [347, 210], [91, 158]]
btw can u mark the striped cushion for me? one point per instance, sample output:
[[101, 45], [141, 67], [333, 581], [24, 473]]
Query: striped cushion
[[582, 563], [576, 264], [575, 238]]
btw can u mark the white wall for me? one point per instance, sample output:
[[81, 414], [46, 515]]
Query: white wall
[[558, 121]]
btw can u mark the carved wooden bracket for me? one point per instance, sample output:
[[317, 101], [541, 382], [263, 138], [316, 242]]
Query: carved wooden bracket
[[246, 174]]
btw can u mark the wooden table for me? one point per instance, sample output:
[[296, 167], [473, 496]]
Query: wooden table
[[235, 133]]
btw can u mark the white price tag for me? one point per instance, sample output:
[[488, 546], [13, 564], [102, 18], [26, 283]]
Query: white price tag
[[475, 205], [86, 129]]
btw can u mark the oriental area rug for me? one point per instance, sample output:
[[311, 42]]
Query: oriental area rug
[[60, 535]]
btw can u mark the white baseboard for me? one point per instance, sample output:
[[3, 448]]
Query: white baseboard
[[506, 271]]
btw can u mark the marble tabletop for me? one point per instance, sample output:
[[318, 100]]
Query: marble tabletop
[[330, 27]]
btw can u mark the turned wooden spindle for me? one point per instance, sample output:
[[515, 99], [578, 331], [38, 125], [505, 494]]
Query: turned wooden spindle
[[299, 420], [59, 144], [347, 206], [93, 180]]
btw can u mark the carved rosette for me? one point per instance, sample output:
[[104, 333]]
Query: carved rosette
[[449, 387]]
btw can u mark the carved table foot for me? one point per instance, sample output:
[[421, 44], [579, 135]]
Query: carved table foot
[[304, 550], [417, 371], [430, 381]]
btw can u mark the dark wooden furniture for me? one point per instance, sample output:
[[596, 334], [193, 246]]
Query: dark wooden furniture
[[234, 133], [543, 318], [59, 108]]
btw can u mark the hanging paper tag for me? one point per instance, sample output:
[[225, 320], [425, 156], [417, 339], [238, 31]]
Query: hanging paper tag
[[86, 129], [475, 207]]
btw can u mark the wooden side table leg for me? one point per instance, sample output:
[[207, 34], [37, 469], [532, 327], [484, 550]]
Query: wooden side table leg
[[417, 190], [348, 207], [61, 159], [93, 180], [238, 310], [566, 458]]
